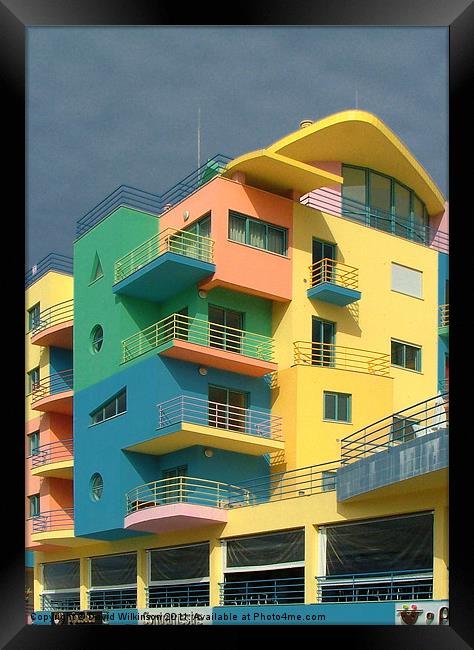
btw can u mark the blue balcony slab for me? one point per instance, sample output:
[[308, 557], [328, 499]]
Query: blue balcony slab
[[422, 455], [444, 332], [333, 293], [164, 277]]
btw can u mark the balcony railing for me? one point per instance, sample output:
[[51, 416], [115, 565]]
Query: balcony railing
[[337, 356], [52, 262], [333, 203], [59, 382], [53, 452], [183, 489], [444, 316], [184, 595], [328, 270], [219, 416], [276, 591], [199, 332], [52, 520], [443, 386], [410, 423], [62, 602], [170, 240], [55, 315], [102, 599], [416, 584], [292, 484]]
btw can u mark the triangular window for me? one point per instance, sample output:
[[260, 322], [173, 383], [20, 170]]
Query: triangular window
[[97, 271]]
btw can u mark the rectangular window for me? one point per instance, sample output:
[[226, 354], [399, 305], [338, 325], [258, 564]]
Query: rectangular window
[[61, 575], [33, 316], [116, 406], [33, 379], [407, 281], [268, 549], [405, 355], [34, 505], [260, 234], [337, 407], [33, 443]]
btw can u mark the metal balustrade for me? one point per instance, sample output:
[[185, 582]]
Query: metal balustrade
[[103, 599], [444, 316], [199, 332], [52, 520], [183, 595], [443, 386], [274, 591], [334, 272], [52, 262], [337, 356], [54, 384], [171, 240], [291, 484], [410, 423], [55, 315], [219, 416], [52, 452], [332, 202], [416, 584], [183, 489], [62, 602]]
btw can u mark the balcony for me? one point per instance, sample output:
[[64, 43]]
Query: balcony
[[145, 271], [53, 460], [408, 444], [204, 343], [272, 591], [327, 355], [187, 421], [54, 527], [54, 394], [443, 327], [55, 325], [416, 584], [333, 282], [179, 503]]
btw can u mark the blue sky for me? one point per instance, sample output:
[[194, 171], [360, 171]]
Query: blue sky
[[112, 106]]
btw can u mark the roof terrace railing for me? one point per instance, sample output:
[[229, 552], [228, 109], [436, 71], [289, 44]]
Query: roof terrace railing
[[62, 312], [328, 270], [444, 316], [58, 382], [220, 416], [413, 422], [337, 356], [199, 332], [52, 452], [170, 240], [52, 262], [52, 520], [215, 166]]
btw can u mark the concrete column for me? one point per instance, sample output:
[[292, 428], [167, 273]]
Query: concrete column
[[37, 584], [142, 578], [83, 582], [216, 574], [441, 554], [311, 563]]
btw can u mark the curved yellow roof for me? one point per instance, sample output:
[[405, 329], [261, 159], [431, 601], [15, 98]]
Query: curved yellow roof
[[353, 137]]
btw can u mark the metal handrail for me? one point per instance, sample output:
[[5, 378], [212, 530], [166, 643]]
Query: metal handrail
[[51, 520], [444, 315], [220, 416], [120, 598], [334, 272], [200, 332], [338, 356], [62, 312], [413, 422], [182, 489], [332, 202], [52, 262], [56, 383], [180, 242], [66, 602], [178, 595], [52, 452], [272, 591]]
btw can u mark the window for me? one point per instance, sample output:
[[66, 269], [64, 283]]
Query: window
[[33, 443], [259, 234], [97, 338], [406, 280], [405, 355], [337, 407], [33, 379], [61, 582], [97, 271], [34, 317], [96, 486], [113, 580], [116, 406], [328, 480], [34, 505], [403, 429]]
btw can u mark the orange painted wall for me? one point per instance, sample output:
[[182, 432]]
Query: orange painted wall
[[240, 267]]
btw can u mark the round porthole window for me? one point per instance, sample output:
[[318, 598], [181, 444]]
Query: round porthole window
[[97, 338], [96, 486]]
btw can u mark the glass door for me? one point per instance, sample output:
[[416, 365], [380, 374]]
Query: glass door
[[219, 336], [227, 409], [323, 273], [323, 336], [174, 491]]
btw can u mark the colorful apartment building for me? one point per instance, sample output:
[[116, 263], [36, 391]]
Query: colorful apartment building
[[260, 410]]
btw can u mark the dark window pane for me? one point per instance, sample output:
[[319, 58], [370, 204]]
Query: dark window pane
[[275, 548], [343, 408], [61, 575], [412, 357], [397, 354], [354, 191], [122, 402], [114, 570], [276, 241], [257, 234], [329, 406], [110, 409], [180, 563], [237, 228]]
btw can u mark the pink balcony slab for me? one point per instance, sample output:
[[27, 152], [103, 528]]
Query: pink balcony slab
[[175, 516]]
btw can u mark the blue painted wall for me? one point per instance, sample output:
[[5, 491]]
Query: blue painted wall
[[59, 361], [98, 448], [443, 345]]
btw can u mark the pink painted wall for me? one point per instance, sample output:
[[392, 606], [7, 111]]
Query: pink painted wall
[[327, 198], [238, 266], [440, 225]]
